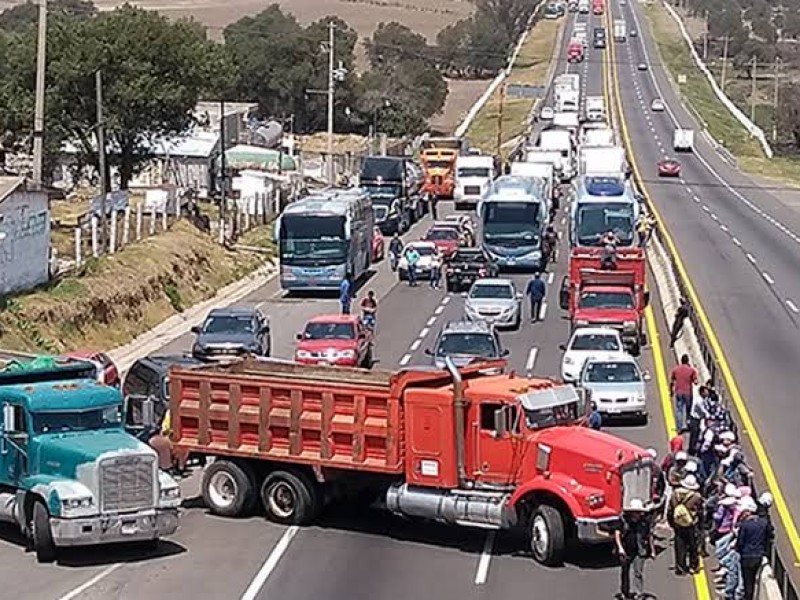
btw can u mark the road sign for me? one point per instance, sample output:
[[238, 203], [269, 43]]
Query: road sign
[[525, 91]]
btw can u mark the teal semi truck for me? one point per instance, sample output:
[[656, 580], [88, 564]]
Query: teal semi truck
[[70, 475]]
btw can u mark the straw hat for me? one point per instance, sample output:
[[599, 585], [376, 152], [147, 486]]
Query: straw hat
[[690, 483], [636, 505]]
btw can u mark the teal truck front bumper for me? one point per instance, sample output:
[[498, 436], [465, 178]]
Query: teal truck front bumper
[[109, 529]]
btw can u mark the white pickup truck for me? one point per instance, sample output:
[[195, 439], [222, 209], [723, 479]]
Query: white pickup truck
[[683, 140]]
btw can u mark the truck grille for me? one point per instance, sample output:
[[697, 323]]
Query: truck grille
[[637, 481], [472, 190], [127, 483]]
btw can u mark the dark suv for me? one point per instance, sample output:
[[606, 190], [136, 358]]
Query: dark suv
[[232, 331]]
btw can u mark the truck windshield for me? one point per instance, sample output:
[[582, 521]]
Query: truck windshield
[[473, 172], [438, 164], [329, 331], [511, 223], [77, 420], [471, 344], [383, 191], [313, 240], [612, 372], [606, 300], [551, 416], [595, 219]]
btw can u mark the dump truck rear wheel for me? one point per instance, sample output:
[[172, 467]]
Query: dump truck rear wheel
[[229, 489], [289, 498], [42, 534], [547, 536]]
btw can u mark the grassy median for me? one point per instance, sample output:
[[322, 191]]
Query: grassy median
[[531, 68], [699, 95]]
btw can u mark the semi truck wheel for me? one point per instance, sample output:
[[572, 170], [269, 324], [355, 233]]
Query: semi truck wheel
[[229, 489], [42, 535], [289, 498], [547, 536]]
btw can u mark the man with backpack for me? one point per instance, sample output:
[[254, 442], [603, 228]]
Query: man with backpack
[[684, 516]]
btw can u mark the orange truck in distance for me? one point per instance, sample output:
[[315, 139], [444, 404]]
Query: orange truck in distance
[[438, 157], [460, 447]]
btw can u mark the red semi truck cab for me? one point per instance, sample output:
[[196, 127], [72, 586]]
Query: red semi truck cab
[[598, 7], [614, 298], [460, 447], [575, 52]]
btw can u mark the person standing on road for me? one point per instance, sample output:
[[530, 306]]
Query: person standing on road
[[412, 259], [684, 514], [594, 419], [436, 270], [536, 291], [346, 293], [677, 324], [395, 250], [682, 381], [434, 201], [752, 541], [634, 541]]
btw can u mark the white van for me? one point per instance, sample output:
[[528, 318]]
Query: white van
[[603, 161], [560, 140], [474, 174], [541, 171], [568, 121], [597, 137], [595, 108]]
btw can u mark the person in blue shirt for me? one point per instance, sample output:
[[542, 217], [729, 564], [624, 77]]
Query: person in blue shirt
[[594, 420], [536, 291], [346, 293]]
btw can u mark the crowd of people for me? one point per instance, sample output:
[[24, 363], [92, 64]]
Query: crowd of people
[[703, 492]]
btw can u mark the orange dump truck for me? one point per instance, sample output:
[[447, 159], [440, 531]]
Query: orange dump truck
[[438, 157], [460, 447]]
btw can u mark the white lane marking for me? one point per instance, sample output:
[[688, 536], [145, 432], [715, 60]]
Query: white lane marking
[[768, 278], [486, 557], [706, 209], [531, 359], [714, 217], [425, 331], [550, 277], [269, 565], [90, 582], [792, 306], [688, 190], [415, 345], [431, 321], [696, 198], [736, 241], [404, 360], [439, 310], [446, 300], [751, 258], [543, 312], [724, 228]]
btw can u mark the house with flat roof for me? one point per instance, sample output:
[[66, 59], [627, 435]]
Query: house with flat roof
[[24, 236]]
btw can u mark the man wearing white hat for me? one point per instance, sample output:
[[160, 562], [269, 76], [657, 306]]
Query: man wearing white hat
[[634, 541], [684, 514], [751, 544]]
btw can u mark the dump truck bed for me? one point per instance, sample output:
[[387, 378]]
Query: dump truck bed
[[325, 416]]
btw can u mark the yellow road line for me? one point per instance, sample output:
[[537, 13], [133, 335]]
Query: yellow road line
[[701, 585]]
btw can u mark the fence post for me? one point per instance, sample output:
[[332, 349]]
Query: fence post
[[78, 248], [126, 227], [153, 222], [95, 251], [247, 217], [164, 217], [112, 244], [239, 212], [177, 207]]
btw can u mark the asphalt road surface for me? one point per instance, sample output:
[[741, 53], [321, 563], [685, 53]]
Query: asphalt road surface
[[366, 555], [740, 243]]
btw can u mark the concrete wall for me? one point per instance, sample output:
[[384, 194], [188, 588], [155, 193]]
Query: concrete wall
[[24, 240]]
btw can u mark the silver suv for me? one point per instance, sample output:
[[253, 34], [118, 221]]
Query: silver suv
[[465, 341]]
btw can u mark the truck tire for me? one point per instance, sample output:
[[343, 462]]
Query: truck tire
[[43, 542], [229, 489], [290, 498], [547, 536]]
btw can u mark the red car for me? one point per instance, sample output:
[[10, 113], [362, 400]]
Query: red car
[[339, 340], [378, 246], [669, 168], [446, 239], [575, 52], [103, 361]]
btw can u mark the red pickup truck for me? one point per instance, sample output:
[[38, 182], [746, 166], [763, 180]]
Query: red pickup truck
[[340, 340], [575, 52], [608, 297]]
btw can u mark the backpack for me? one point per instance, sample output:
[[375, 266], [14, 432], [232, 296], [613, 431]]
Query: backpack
[[681, 515]]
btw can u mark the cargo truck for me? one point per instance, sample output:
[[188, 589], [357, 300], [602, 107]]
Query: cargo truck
[[438, 157], [617, 298], [70, 475], [620, 30], [456, 446], [683, 140]]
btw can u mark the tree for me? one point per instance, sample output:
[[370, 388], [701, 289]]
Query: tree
[[510, 16], [25, 15], [393, 43], [453, 47], [789, 113]]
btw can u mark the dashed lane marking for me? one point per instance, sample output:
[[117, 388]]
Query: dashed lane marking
[[750, 257], [254, 589], [543, 312], [439, 309], [446, 300], [531, 360], [404, 361], [768, 278], [792, 306], [723, 228], [736, 241], [431, 321], [425, 331], [415, 345], [89, 583], [550, 277], [486, 556]]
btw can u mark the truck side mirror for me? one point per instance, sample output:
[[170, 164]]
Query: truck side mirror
[[646, 376], [8, 418], [563, 294], [148, 413], [562, 347], [196, 330], [500, 422], [428, 351], [299, 337]]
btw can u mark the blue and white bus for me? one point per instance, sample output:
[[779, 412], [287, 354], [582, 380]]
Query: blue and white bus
[[324, 236], [600, 204]]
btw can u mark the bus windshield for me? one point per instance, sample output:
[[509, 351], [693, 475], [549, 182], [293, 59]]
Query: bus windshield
[[594, 220], [313, 240], [511, 223]]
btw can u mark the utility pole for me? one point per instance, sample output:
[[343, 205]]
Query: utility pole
[[223, 208], [331, 39], [775, 101], [101, 157], [38, 115], [753, 90], [500, 118], [705, 41], [724, 62]]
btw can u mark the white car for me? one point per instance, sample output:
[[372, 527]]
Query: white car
[[616, 384], [495, 301], [427, 254], [657, 105], [642, 66], [585, 343], [547, 113]]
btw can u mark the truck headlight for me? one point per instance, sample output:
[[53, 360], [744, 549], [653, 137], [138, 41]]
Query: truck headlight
[[303, 354], [629, 325], [170, 493], [76, 503], [347, 354], [595, 501], [581, 323]]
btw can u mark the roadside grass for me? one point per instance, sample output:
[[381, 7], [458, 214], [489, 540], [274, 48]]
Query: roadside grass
[[700, 97], [116, 298], [531, 68]]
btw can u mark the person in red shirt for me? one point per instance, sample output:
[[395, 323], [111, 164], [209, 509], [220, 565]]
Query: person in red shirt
[[682, 381]]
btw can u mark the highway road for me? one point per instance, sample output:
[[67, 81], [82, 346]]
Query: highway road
[[349, 555], [740, 244]]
